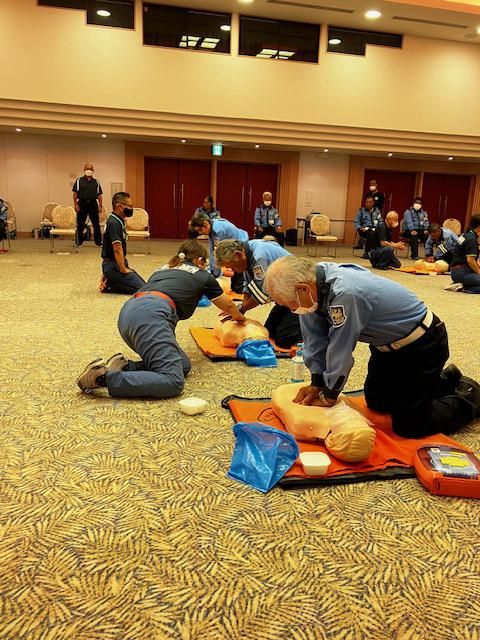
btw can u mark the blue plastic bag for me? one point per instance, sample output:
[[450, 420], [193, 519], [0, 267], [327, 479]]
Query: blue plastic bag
[[204, 302], [257, 353], [262, 455]]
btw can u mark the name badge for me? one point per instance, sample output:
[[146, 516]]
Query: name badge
[[271, 222]]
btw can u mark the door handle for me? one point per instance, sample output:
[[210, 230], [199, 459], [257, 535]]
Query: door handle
[[243, 200], [445, 207], [181, 194], [439, 206], [174, 198], [250, 199], [390, 201]]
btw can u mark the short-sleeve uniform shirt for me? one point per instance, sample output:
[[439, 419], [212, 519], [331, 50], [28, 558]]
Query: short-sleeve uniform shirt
[[114, 232], [87, 189]]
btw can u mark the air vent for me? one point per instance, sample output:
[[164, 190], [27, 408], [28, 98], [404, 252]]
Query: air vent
[[433, 22], [304, 5]]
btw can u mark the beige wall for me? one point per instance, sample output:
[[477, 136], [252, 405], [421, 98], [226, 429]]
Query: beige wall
[[427, 86], [35, 169], [322, 187]]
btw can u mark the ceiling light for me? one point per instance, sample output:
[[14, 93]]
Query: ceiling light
[[325, 151], [287, 54], [390, 154], [373, 14], [450, 157], [226, 27], [269, 52], [208, 45], [245, 1], [104, 135], [257, 146], [334, 41], [183, 141], [103, 13], [18, 130], [478, 29]]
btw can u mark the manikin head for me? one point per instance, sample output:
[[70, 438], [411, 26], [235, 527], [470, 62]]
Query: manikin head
[[231, 254]]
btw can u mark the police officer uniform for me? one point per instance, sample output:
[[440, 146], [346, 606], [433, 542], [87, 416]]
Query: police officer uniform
[[443, 247], [147, 324], [367, 220], [283, 325], [117, 282], [88, 189], [269, 220], [213, 214], [467, 246], [382, 257], [222, 229], [415, 221], [379, 198], [408, 346]]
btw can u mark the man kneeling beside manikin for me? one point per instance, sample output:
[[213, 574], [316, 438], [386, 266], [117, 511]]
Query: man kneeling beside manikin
[[341, 304]]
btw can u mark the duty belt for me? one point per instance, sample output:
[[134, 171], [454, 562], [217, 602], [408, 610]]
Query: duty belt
[[417, 333], [140, 294]]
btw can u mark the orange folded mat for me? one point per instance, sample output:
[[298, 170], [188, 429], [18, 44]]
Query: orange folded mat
[[391, 458], [212, 348], [413, 270]]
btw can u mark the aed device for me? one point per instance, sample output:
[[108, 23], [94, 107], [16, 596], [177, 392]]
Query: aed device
[[445, 470]]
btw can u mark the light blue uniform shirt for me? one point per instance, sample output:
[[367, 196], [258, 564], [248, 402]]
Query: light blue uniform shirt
[[414, 220], [354, 305], [223, 230], [260, 255], [267, 217], [367, 219], [447, 243]]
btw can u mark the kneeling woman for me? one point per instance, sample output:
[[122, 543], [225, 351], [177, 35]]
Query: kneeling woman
[[147, 323]]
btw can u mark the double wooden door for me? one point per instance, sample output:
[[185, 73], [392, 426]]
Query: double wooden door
[[173, 190], [239, 190], [398, 187], [446, 196]]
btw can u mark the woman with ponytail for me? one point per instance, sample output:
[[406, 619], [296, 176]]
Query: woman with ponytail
[[147, 323]]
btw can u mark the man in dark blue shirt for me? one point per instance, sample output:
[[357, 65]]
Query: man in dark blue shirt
[[87, 201], [464, 266]]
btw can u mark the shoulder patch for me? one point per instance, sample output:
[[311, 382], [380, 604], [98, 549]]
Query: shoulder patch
[[258, 272], [338, 315]]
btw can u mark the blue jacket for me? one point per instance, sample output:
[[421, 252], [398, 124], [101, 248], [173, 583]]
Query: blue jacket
[[366, 218], [260, 255], [267, 217], [353, 305], [415, 220], [447, 244], [223, 230], [211, 213]]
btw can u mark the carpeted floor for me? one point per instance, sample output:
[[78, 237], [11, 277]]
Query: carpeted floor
[[117, 520]]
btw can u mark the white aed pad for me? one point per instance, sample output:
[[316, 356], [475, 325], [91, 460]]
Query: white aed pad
[[315, 463], [192, 406]]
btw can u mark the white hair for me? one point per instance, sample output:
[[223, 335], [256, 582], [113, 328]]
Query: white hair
[[285, 273]]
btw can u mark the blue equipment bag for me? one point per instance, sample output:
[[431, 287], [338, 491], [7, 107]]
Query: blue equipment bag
[[262, 455], [204, 302], [257, 353]]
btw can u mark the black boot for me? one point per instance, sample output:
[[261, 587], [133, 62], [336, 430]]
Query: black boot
[[450, 378], [470, 390]]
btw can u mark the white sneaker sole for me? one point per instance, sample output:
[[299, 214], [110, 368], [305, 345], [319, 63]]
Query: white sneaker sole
[[95, 364]]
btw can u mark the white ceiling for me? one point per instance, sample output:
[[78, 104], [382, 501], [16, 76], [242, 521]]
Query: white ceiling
[[465, 15]]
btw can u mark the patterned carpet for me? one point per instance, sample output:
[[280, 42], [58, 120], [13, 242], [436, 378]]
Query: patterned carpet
[[117, 520]]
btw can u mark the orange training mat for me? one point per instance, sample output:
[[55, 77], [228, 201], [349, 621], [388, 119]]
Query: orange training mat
[[419, 272], [212, 348], [391, 458]]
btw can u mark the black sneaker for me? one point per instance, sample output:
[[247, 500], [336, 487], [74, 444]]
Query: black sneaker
[[365, 256], [451, 376], [470, 389]]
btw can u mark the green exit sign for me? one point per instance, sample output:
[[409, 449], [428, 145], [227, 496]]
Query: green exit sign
[[217, 149]]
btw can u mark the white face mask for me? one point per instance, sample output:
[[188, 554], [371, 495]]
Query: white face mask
[[267, 203], [88, 172], [372, 188], [417, 206], [301, 311]]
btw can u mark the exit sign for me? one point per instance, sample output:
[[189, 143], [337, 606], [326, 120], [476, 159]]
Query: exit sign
[[217, 149]]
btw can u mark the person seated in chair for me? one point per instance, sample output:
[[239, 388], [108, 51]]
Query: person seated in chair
[[253, 258], [209, 208], [383, 255], [267, 220], [117, 275], [147, 323], [465, 266], [217, 230], [366, 221], [415, 225], [3, 220], [440, 243]]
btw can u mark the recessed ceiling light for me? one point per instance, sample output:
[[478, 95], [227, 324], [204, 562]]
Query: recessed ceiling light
[[334, 41], [226, 27], [18, 130], [103, 13], [104, 135], [245, 1], [373, 14], [257, 146], [478, 29], [390, 154], [183, 141], [325, 151], [450, 157]]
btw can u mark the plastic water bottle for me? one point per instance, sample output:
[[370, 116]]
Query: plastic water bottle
[[298, 365]]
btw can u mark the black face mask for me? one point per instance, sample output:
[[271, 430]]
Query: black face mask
[[128, 213]]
